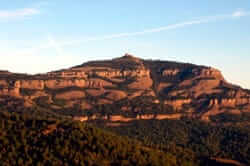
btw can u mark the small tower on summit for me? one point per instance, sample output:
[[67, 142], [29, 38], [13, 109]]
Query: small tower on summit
[[128, 55], [129, 58]]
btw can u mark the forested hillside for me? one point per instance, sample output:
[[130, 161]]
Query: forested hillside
[[26, 140], [192, 138]]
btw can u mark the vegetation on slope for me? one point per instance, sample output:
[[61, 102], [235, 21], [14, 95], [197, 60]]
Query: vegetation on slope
[[200, 139], [26, 140]]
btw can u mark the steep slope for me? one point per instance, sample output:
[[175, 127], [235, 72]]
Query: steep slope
[[126, 89]]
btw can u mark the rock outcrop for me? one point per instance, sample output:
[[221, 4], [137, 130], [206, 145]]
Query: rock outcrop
[[208, 72], [177, 103], [140, 86], [170, 72]]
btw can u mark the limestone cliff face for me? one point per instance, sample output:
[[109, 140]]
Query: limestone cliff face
[[57, 84], [68, 74], [10, 91], [208, 72], [108, 73], [177, 103], [229, 102], [31, 84], [119, 73], [132, 83], [170, 72]]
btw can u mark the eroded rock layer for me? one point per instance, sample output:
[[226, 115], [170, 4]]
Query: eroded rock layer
[[127, 86]]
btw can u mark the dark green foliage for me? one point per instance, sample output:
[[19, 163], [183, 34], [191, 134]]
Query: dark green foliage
[[231, 118], [45, 134], [157, 67], [43, 101], [59, 102], [37, 141], [123, 63], [200, 139], [27, 92]]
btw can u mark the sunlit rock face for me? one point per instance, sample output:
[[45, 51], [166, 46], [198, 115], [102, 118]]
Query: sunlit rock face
[[129, 85]]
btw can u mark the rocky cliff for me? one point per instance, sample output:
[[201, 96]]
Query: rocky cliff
[[127, 86]]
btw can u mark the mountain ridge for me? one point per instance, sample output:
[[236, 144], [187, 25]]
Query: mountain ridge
[[130, 87]]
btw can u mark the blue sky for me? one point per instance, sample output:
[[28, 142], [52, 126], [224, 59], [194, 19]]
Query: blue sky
[[40, 36]]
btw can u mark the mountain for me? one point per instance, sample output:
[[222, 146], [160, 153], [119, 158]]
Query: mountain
[[139, 112], [126, 89]]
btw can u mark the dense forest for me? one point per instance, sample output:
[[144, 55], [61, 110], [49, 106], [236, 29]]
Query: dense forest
[[193, 139], [36, 140]]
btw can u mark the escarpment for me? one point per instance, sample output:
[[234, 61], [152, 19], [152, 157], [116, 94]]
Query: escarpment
[[127, 86]]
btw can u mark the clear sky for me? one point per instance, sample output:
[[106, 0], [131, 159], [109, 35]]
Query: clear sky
[[40, 36]]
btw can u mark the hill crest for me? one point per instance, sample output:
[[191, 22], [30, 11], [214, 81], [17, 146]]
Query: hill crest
[[130, 87]]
